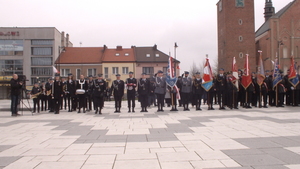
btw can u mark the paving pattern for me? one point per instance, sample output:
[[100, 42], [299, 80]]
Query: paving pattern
[[236, 139]]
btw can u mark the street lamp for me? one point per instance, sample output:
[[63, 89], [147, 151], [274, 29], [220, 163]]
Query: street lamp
[[60, 50], [279, 43]]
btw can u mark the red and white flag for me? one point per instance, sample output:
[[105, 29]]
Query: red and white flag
[[246, 78], [235, 78], [261, 72]]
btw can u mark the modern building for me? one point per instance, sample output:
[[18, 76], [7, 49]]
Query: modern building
[[80, 61], [29, 51], [279, 36], [236, 33]]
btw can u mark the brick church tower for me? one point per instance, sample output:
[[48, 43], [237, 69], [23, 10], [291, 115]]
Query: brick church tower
[[236, 33]]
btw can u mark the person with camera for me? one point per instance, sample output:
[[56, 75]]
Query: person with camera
[[16, 86]]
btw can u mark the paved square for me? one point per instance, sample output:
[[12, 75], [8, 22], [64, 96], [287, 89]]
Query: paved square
[[237, 139]]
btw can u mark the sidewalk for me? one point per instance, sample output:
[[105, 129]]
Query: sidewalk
[[236, 139]]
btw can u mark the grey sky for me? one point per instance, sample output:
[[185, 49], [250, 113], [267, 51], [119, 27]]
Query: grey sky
[[191, 23]]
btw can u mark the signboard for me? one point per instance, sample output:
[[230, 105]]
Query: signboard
[[11, 45], [10, 33]]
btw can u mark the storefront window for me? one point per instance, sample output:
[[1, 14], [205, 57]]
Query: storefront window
[[11, 47], [10, 67]]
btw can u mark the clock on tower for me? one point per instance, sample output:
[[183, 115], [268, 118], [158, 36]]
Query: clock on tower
[[239, 3]]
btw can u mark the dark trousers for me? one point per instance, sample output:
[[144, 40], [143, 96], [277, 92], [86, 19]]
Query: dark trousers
[[160, 100], [71, 102], [262, 97], [90, 100], [144, 100], [232, 97], [36, 103], [44, 103], [56, 104], [98, 102], [151, 99], [198, 98], [131, 98], [185, 100], [63, 102], [50, 103], [221, 97], [118, 101], [81, 101], [14, 104], [210, 99]]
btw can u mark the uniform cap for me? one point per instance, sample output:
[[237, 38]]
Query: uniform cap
[[221, 69], [130, 72], [143, 73], [118, 74], [100, 75], [160, 71], [186, 72], [90, 75], [197, 73], [70, 74]]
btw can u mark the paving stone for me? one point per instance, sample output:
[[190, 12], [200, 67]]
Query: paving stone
[[257, 160]]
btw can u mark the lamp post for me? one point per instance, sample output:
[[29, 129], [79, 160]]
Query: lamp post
[[60, 50], [175, 47], [279, 43]]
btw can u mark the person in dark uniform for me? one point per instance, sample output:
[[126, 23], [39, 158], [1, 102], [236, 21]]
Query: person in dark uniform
[[57, 94], [281, 91], [70, 93], [262, 94], [64, 97], [49, 90], [178, 84], [131, 84], [43, 96], [255, 92], [232, 92], [152, 96], [249, 93], [16, 86], [90, 93], [117, 88], [160, 90], [197, 90], [210, 95], [186, 89], [221, 88], [99, 90], [289, 91], [242, 91], [81, 89], [143, 91], [35, 95], [271, 92]]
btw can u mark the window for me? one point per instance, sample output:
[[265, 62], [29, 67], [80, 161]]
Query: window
[[240, 22], [148, 55], [91, 72], [40, 61], [39, 80], [240, 38], [241, 55], [41, 71], [117, 54], [115, 70], [78, 73], [285, 52], [65, 72], [42, 42], [220, 5], [165, 69], [106, 72], [10, 67], [42, 51], [11, 47], [239, 3], [157, 55], [148, 70], [125, 70], [126, 54]]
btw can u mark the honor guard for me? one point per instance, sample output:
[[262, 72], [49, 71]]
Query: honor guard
[[70, 93], [143, 91], [43, 97], [117, 87], [186, 89], [64, 98], [81, 89], [262, 94], [131, 84], [197, 90], [232, 91], [57, 93], [160, 90], [90, 93], [35, 95], [221, 88], [98, 89], [255, 93], [271, 92]]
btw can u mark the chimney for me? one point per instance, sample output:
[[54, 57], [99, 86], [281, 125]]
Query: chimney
[[155, 47], [269, 10], [62, 39], [119, 47], [67, 40]]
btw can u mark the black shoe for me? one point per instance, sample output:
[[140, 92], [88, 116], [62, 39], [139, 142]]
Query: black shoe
[[79, 111], [248, 107], [33, 112], [96, 111], [265, 106], [236, 108]]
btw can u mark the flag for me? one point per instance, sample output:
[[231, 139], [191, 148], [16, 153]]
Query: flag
[[246, 78], [293, 77], [171, 77], [261, 72], [54, 70], [276, 74], [207, 80], [175, 45], [235, 75]]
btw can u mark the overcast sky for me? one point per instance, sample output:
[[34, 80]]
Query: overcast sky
[[190, 23]]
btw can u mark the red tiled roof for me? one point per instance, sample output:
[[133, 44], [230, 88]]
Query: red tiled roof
[[81, 55], [124, 55]]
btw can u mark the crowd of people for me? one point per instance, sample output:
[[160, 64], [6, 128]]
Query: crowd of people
[[89, 94]]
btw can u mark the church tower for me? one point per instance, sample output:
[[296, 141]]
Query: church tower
[[269, 10], [236, 33]]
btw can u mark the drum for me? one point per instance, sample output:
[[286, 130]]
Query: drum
[[80, 91]]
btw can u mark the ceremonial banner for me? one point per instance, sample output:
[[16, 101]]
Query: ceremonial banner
[[235, 75], [207, 80], [276, 74], [293, 77], [54, 70], [246, 78], [261, 72], [171, 77]]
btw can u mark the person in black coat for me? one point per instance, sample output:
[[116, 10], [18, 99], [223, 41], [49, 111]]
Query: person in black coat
[[117, 88], [255, 93], [143, 91], [49, 88], [131, 84], [221, 88], [197, 90], [70, 93], [98, 91], [16, 86], [81, 85], [57, 93], [43, 96], [232, 92], [35, 94]]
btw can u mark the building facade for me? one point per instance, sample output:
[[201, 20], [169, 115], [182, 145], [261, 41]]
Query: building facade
[[236, 33], [29, 51], [279, 36]]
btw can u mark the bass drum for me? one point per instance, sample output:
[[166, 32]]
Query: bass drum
[[80, 91]]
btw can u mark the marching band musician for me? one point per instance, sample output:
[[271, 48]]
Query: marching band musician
[[64, 97], [81, 86], [16, 86], [186, 89], [98, 89], [70, 93], [49, 88], [57, 93], [197, 90], [90, 93], [131, 83], [160, 90], [35, 95], [143, 91], [117, 87], [43, 97], [221, 88]]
